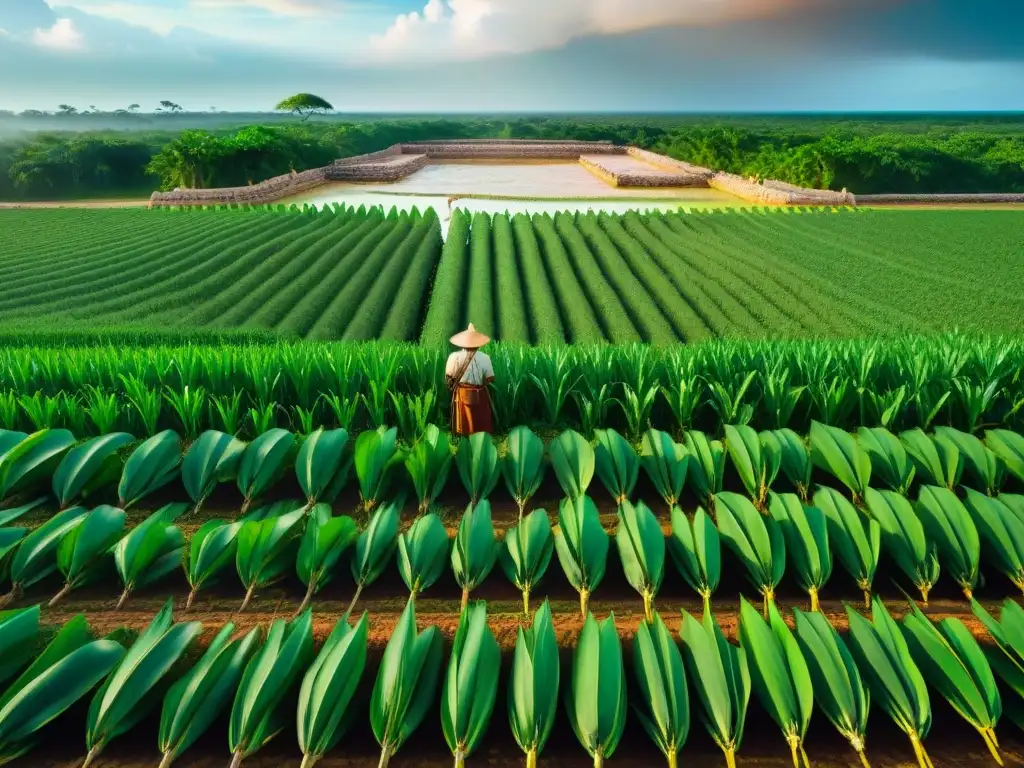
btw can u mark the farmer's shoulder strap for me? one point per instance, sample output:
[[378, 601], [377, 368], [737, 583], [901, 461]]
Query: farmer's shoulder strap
[[461, 371]]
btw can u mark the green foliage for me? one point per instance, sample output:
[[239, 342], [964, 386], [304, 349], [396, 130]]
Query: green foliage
[[889, 460], [806, 533], [323, 464], [616, 464], [856, 539], [428, 463], [324, 541], [522, 466], [756, 540], [837, 453], [212, 459], [477, 462], [526, 553], [151, 466], [377, 458], [1007, 658], [707, 466], [756, 461], [947, 523], [903, 538], [375, 547], [696, 550], [573, 462], [582, 546], [36, 555], [665, 708], [264, 462], [533, 692], [32, 461], [596, 697], [795, 460], [475, 550], [267, 549], [641, 546], [422, 553], [666, 463], [83, 550], [88, 467], [937, 460], [1001, 533]]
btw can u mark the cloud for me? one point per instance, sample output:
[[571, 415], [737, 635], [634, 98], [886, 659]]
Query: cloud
[[276, 7], [62, 36], [476, 28]]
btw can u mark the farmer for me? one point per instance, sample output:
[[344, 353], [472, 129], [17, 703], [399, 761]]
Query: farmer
[[467, 373]]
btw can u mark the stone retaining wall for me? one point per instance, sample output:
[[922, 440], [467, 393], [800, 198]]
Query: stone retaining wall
[[528, 150], [777, 193], [652, 178], [990, 197], [670, 162], [394, 168], [394, 149], [267, 191]]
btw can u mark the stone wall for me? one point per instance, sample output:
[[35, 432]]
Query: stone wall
[[267, 191], [777, 193], [669, 162], [505, 150], [641, 178], [394, 149], [990, 198], [386, 169]]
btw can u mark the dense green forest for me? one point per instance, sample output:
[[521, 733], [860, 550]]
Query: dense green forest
[[863, 153]]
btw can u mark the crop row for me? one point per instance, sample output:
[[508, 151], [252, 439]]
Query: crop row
[[959, 380], [896, 667]]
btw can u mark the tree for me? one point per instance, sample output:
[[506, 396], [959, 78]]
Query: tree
[[170, 106], [66, 109], [133, 108], [188, 161], [305, 105]]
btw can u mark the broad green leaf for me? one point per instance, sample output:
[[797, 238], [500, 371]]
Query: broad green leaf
[[616, 464], [212, 548], [755, 539], [855, 538], [267, 549], [947, 523], [596, 696], [665, 708], [428, 464], [151, 466], [152, 550], [903, 538], [36, 556], [641, 547], [573, 462], [376, 460], [475, 550], [805, 530], [85, 548], [1001, 534], [471, 683], [582, 546], [523, 465], [527, 553], [756, 462], [89, 466], [32, 462], [264, 462], [324, 541], [666, 463], [889, 461], [10, 514], [375, 547], [795, 459], [19, 634], [837, 452], [707, 466], [323, 464], [937, 460], [985, 470], [533, 683], [212, 459], [696, 549], [1009, 447], [1007, 658], [477, 462], [422, 553]]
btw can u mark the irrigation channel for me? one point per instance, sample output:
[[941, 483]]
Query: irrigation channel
[[952, 741]]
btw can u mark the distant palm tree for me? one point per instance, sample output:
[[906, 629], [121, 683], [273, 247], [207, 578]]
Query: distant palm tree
[[66, 109]]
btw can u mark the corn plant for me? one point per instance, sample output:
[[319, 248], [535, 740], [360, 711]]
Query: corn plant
[[477, 462], [756, 540], [855, 538], [269, 678], [471, 683], [1009, 448], [1001, 533], [947, 523], [199, 697], [719, 672], [582, 547], [554, 382], [267, 549], [89, 467], [806, 533], [616, 464], [151, 551], [214, 458], [641, 546], [839, 690], [779, 674], [146, 401], [376, 460], [30, 464], [428, 463], [70, 666], [151, 466], [406, 683], [128, 694], [596, 698], [573, 462], [324, 541], [84, 550], [475, 550], [658, 666], [889, 460], [328, 687], [36, 555], [757, 462], [533, 687], [265, 461], [727, 398], [526, 553], [836, 452], [666, 463], [951, 660], [1007, 658], [696, 549], [422, 553], [707, 466], [903, 538], [794, 459], [881, 653], [374, 548], [936, 460], [188, 406], [227, 408]]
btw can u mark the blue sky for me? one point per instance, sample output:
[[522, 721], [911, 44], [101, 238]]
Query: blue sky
[[516, 55]]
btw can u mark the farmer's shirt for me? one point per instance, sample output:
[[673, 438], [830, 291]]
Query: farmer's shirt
[[479, 370]]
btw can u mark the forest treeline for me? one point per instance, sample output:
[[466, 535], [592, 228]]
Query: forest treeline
[[878, 156]]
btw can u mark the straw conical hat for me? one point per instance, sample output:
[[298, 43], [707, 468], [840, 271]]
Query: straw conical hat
[[470, 338]]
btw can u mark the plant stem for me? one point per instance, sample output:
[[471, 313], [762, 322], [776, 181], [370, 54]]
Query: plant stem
[[769, 598], [730, 757], [815, 606], [867, 598], [531, 759], [12, 596], [191, 598], [922, 757], [649, 607], [465, 600], [794, 747], [707, 601], [584, 603], [863, 759], [355, 599], [248, 597], [924, 593], [166, 760], [123, 599], [236, 759], [673, 758], [598, 759], [385, 757], [460, 758], [990, 741], [245, 506], [526, 602], [968, 593], [91, 755], [308, 761], [308, 598], [59, 596]]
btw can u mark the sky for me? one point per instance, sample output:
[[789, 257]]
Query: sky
[[515, 55]]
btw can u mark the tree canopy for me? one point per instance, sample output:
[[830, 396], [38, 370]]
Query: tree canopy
[[304, 105]]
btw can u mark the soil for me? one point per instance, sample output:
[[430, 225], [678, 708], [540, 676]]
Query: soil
[[79, 204]]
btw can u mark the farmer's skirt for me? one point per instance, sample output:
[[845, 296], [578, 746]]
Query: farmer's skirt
[[471, 410]]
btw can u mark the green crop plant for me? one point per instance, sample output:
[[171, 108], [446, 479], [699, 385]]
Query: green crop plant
[[324, 541], [616, 464], [533, 688], [31, 462], [471, 683], [406, 683], [985, 470], [322, 465], [756, 461], [936, 460], [795, 460], [89, 467], [267, 549], [890, 463], [522, 466], [779, 675], [1001, 533], [200, 696], [582, 547], [573, 462], [641, 546], [947, 523], [36, 555], [666, 463], [719, 672], [477, 462], [213, 458], [212, 548], [475, 550], [66, 669], [376, 460], [149, 552], [1007, 658], [1009, 448], [881, 653], [707, 466], [756, 540], [374, 548], [805, 530], [83, 549], [328, 687], [839, 689], [127, 695], [264, 462], [696, 549], [903, 538], [856, 539], [429, 461], [526, 553], [838, 453], [658, 665], [150, 467], [596, 696], [257, 711], [422, 553], [951, 660]]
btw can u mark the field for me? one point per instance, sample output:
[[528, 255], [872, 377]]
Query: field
[[661, 278]]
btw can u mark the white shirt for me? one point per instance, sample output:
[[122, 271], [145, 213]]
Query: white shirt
[[480, 369]]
